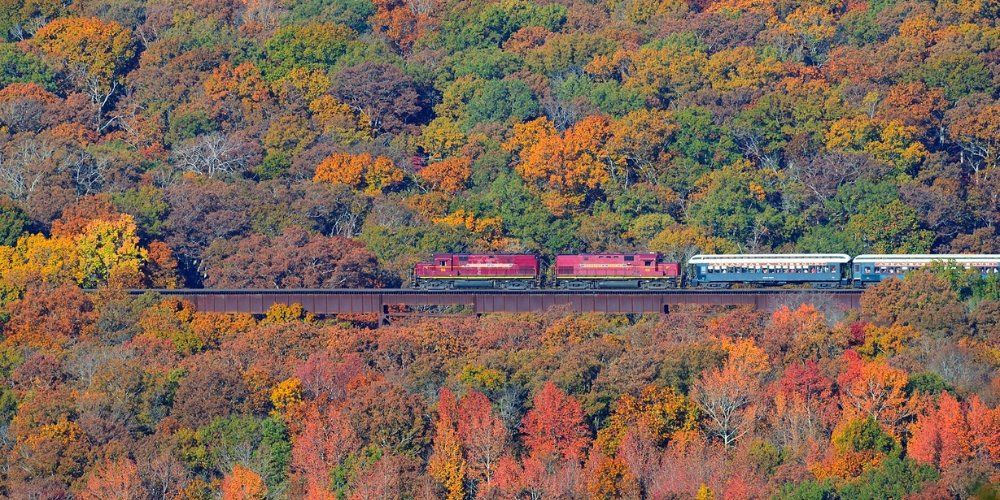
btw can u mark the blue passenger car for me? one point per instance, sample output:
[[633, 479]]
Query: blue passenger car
[[722, 271], [871, 269]]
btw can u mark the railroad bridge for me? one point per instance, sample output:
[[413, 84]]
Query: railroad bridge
[[388, 302]]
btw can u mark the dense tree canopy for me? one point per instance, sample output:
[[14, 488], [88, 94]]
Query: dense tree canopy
[[741, 126], [333, 143], [149, 396]]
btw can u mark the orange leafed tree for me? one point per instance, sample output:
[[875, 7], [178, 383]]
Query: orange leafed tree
[[951, 433], [343, 168], [568, 164], [658, 413], [242, 85], [796, 334], [75, 218], [727, 399], [395, 20], [50, 317], [446, 464], [243, 484], [874, 389], [375, 174], [321, 438], [449, 175], [89, 47]]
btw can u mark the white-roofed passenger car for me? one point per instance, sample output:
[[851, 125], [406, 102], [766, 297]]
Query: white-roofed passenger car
[[722, 271], [875, 268]]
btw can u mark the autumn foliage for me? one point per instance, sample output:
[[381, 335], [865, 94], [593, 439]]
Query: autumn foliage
[[333, 144]]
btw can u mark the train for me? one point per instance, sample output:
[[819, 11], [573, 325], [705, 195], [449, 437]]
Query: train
[[650, 271]]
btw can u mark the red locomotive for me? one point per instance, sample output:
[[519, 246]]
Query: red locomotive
[[638, 270], [448, 271]]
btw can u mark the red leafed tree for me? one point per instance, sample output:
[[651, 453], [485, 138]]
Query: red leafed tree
[[120, 477], [51, 317], [554, 429], [325, 377], [243, 484], [816, 390], [925, 440], [323, 440], [293, 259], [956, 436], [806, 380], [509, 477], [483, 435], [804, 405]]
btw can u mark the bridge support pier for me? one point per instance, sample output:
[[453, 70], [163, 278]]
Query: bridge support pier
[[383, 317]]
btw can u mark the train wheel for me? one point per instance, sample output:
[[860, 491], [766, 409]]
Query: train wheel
[[661, 284], [574, 285], [512, 285]]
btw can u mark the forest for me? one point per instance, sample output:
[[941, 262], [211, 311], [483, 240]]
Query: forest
[[334, 143]]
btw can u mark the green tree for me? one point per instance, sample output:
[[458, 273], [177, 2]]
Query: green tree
[[274, 454], [744, 205], [13, 222], [147, 206], [891, 228], [17, 66], [351, 13], [809, 489], [959, 74], [495, 23], [312, 45], [500, 101], [865, 435], [894, 478], [488, 63]]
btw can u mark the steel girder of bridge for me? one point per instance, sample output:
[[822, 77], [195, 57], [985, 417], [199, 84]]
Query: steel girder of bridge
[[384, 302]]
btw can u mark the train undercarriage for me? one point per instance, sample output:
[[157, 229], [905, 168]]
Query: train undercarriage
[[460, 284], [725, 285], [529, 284], [605, 284]]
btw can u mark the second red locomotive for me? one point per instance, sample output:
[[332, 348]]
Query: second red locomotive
[[572, 272], [616, 270], [507, 271]]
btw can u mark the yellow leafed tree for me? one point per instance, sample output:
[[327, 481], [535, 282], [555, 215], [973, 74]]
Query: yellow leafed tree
[[108, 247]]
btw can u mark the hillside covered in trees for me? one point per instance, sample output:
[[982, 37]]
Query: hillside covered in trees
[[333, 143], [418, 126]]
